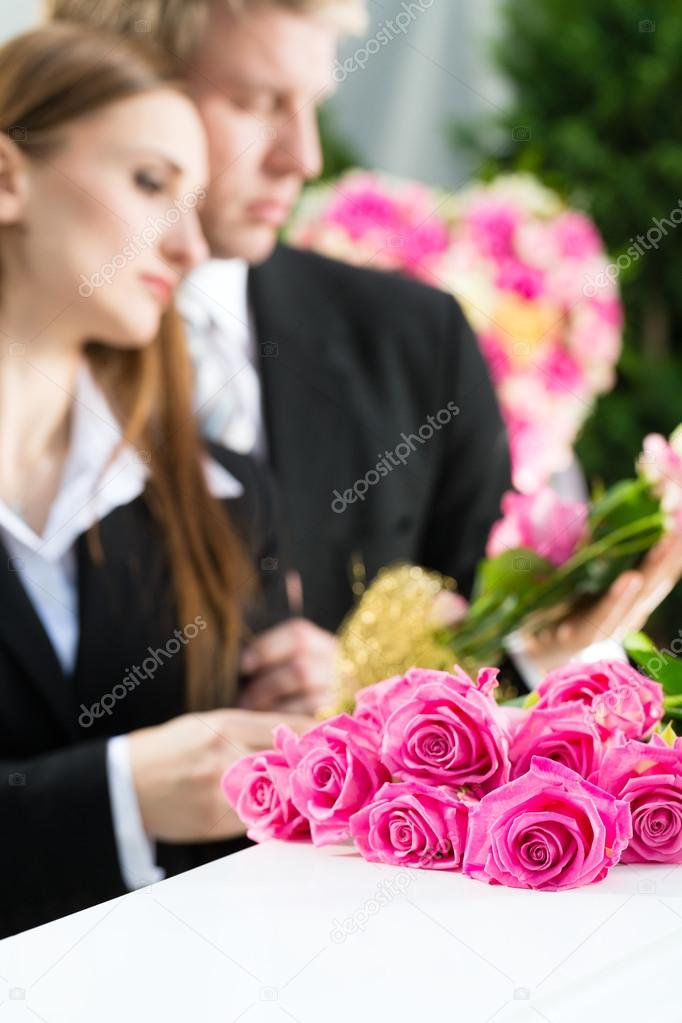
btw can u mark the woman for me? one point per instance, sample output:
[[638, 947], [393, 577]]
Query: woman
[[121, 606]]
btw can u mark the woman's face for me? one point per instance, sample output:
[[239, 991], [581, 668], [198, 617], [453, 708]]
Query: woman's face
[[109, 220]]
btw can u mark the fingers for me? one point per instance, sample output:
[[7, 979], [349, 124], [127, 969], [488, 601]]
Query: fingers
[[294, 587], [298, 722], [283, 643], [609, 614], [245, 731], [310, 682], [659, 573], [306, 707]]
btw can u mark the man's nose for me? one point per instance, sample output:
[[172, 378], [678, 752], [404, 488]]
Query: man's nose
[[296, 147]]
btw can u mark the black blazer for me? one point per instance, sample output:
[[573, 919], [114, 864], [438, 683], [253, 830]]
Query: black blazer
[[57, 845], [352, 361]]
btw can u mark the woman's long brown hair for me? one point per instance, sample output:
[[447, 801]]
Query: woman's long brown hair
[[48, 78]]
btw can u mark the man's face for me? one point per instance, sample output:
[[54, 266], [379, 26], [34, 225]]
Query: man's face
[[258, 80]]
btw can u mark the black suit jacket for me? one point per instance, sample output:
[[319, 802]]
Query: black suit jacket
[[57, 850], [353, 362]]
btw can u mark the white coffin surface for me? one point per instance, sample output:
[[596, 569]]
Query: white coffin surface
[[288, 932]]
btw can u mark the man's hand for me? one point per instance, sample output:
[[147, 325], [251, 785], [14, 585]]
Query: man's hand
[[177, 768], [624, 608], [291, 668]]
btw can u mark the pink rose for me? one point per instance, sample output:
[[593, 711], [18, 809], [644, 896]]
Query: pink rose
[[258, 788], [513, 718], [661, 460], [620, 697], [566, 734], [449, 732], [337, 771], [412, 825], [661, 464], [648, 776], [374, 704], [548, 829], [541, 522]]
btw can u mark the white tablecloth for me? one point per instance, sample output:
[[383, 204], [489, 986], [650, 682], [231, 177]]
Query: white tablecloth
[[287, 932]]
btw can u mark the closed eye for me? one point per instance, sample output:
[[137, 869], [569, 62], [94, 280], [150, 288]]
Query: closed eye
[[149, 183]]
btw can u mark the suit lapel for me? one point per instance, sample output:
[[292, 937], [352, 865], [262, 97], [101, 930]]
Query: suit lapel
[[24, 636]]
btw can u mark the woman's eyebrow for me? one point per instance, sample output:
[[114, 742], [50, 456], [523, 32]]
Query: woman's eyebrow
[[159, 153]]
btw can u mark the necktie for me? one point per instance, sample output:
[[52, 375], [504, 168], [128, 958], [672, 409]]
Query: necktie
[[227, 388]]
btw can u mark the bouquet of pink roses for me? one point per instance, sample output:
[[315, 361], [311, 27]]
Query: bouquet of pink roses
[[530, 273], [431, 772], [544, 557]]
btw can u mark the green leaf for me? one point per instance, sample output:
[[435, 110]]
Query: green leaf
[[623, 503], [668, 734], [531, 700], [660, 665], [515, 572]]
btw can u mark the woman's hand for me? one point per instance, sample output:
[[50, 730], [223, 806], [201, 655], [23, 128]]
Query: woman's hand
[[291, 667], [624, 608], [177, 769]]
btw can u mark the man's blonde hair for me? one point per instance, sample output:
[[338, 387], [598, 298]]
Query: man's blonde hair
[[177, 25]]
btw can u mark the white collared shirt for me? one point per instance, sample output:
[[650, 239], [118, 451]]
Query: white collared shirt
[[93, 484], [213, 301]]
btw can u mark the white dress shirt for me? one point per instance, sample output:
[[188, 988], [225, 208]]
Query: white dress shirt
[[214, 303], [92, 485]]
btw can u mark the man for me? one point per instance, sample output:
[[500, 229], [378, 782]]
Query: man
[[366, 393]]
